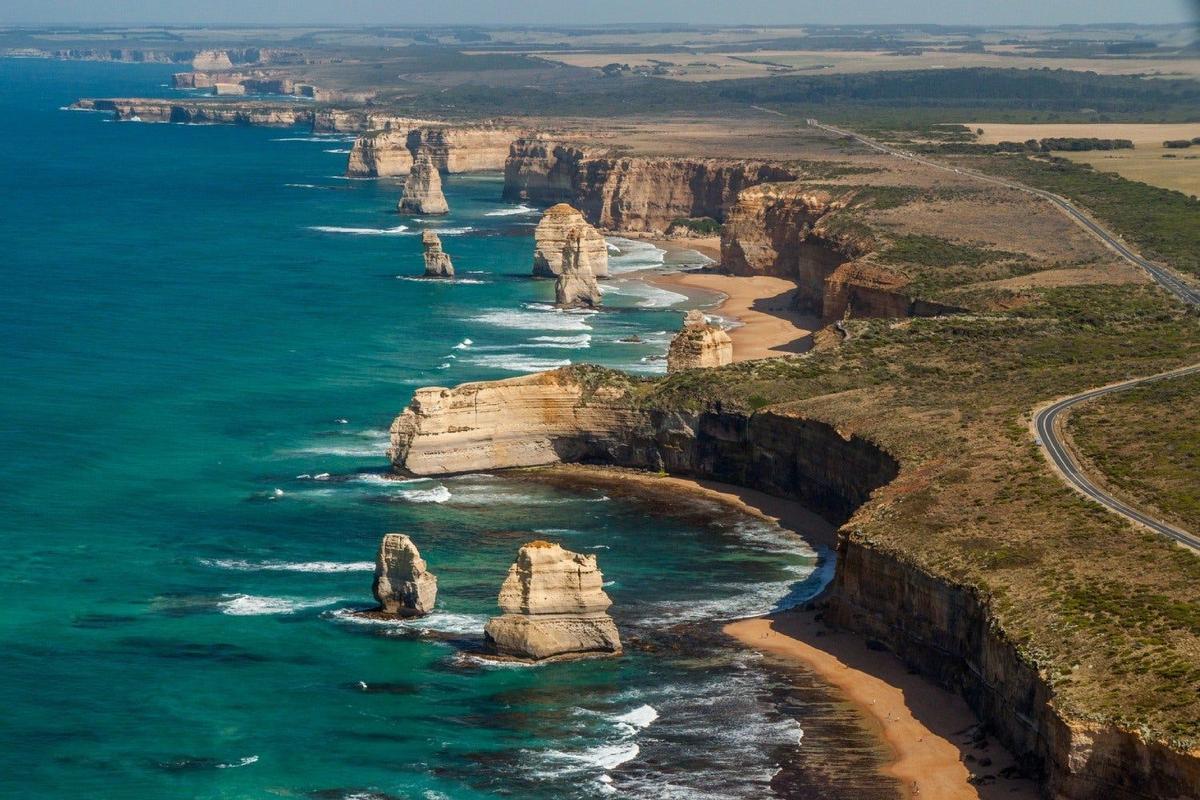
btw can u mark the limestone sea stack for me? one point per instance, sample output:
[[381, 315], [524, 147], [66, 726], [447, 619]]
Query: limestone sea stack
[[576, 286], [423, 189], [551, 237], [699, 344], [403, 585], [553, 607], [437, 260]]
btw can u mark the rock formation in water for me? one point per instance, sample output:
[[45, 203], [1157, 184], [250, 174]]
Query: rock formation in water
[[699, 344], [423, 189], [576, 285], [553, 605], [630, 193], [550, 239], [403, 585], [437, 260]]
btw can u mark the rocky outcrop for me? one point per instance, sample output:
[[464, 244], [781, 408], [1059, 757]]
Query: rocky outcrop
[[576, 285], [437, 261], [403, 584], [454, 149], [792, 231], [944, 629], [423, 189], [553, 606], [550, 239], [699, 344], [630, 193], [521, 422], [211, 60], [220, 88], [278, 115]]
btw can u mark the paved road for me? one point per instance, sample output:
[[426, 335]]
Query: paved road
[[1048, 437], [1045, 420], [1163, 277]]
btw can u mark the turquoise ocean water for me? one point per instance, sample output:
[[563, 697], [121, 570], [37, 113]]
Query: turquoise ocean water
[[206, 332]]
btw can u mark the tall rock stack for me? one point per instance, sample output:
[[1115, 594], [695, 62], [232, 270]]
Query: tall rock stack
[[403, 585], [551, 237], [437, 260], [553, 607], [423, 189], [699, 344], [576, 285]]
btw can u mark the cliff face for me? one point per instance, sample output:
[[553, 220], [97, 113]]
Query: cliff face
[[196, 112], [943, 629], [789, 230], [474, 148], [632, 194]]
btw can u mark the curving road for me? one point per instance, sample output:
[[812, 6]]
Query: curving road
[[1045, 420], [1165, 278], [1045, 423]]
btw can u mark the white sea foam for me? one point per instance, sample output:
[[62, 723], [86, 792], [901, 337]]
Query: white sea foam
[[551, 320], [515, 362], [512, 212], [241, 762], [464, 344], [438, 621], [315, 139], [438, 494], [638, 718], [248, 605], [631, 255], [604, 756], [288, 566], [399, 230], [451, 281], [579, 341], [340, 150], [302, 185]]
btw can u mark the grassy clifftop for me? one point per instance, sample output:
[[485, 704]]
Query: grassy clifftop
[[1107, 612]]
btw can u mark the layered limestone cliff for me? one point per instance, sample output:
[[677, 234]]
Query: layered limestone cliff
[[550, 238], [630, 193], [215, 112], [404, 586], [454, 149], [790, 231], [576, 285], [437, 261], [211, 60], [943, 629], [385, 154], [552, 606], [423, 189], [699, 344]]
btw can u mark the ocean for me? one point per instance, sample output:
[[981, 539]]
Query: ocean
[[207, 331]]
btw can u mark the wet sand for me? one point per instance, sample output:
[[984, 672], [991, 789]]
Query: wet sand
[[937, 750]]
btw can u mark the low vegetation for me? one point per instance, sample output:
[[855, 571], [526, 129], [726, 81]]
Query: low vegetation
[[1146, 444]]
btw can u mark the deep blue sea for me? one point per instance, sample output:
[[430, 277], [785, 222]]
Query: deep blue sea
[[206, 333]]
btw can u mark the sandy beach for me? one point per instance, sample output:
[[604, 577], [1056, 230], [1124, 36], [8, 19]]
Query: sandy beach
[[937, 750], [762, 305]]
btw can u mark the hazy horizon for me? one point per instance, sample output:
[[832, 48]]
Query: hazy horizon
[[616, 12]]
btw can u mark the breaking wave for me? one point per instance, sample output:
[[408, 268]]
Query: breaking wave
[[240, 565], [249, 605]]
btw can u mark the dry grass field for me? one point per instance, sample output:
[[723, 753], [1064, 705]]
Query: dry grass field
[[1149, 162], [707, 66]]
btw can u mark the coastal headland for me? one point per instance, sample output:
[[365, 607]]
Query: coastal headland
[[898, 322]]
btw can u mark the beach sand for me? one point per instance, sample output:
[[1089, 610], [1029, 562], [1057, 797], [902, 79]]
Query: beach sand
[[770, 326], [933, 736]]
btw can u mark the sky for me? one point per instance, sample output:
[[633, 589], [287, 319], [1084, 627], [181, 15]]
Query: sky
[[592, 12]]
